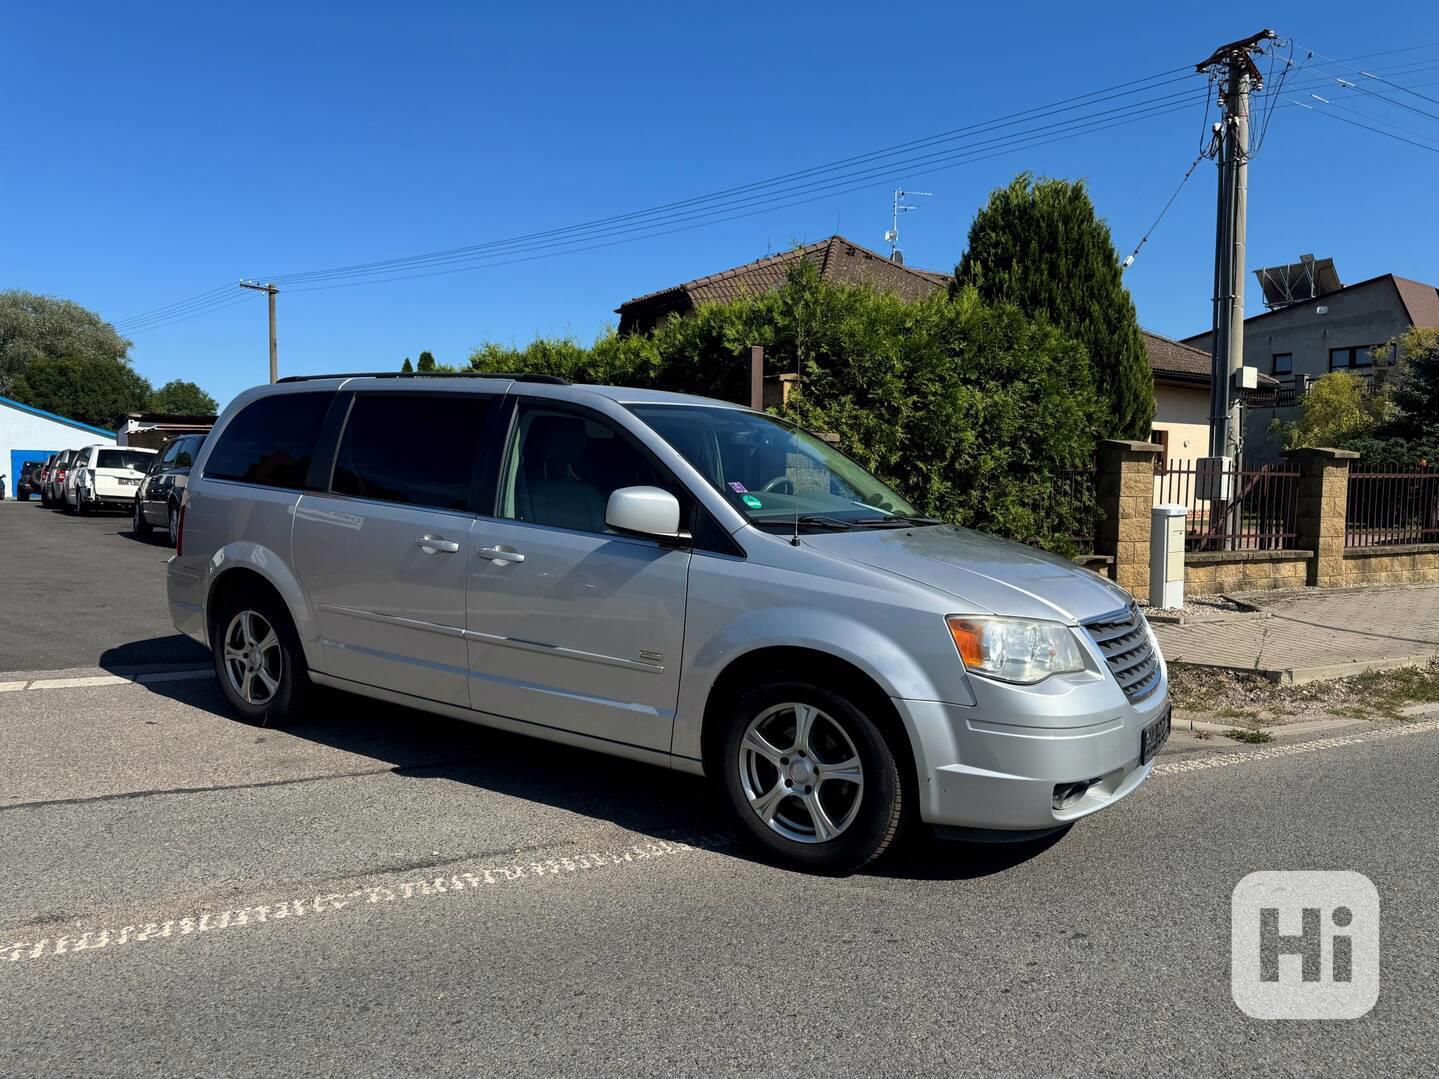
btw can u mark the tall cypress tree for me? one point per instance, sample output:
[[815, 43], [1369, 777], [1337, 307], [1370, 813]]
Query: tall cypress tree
[[1040, 246], [426, 362], [407, 367]]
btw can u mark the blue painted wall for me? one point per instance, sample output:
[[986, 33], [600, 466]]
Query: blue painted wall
[[18, 458]]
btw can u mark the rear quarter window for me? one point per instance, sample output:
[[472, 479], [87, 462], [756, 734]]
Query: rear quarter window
[[271, 441]]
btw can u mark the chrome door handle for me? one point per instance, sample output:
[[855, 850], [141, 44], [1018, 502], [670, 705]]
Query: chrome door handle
[[431, 544], [500, 554]]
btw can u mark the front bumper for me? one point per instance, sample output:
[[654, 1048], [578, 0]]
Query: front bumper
[[995, 765]]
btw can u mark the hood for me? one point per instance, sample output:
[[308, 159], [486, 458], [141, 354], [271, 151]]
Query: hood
[[985, 574]]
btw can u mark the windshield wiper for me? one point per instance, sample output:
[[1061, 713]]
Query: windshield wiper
[[818, 520]]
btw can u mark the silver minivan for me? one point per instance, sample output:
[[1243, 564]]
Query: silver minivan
[[667, 578]]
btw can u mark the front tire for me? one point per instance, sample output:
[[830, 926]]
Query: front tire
[[174, 525], [812, 777], [258, 660]]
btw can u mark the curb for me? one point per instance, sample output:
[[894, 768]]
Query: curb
[[1295, 676]]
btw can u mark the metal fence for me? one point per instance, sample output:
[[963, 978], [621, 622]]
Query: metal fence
[[1387, 507], [1073, 506], [1259, 514]]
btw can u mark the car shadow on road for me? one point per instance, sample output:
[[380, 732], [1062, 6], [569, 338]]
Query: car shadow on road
[[641, 798]]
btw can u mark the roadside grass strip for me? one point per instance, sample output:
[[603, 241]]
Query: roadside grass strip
[[1220, 760], [332, 904]]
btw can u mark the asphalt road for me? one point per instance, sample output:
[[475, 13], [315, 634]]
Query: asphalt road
[[78, 591], [376, 891]]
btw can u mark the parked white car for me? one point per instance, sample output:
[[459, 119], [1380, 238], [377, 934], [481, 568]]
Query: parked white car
[[105, 477]]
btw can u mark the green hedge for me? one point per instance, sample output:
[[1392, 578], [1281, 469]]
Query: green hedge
[[970, 410]]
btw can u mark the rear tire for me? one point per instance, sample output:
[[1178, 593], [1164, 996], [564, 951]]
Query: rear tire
[[65, 505], [812, 779], [23, 496], [258, 660], [174, 525], [138, 524]]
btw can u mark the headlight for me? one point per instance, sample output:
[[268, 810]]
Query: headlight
[[1015, 649]]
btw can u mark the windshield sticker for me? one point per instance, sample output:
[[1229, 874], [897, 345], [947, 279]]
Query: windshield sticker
[[752, 502], [738, 488]]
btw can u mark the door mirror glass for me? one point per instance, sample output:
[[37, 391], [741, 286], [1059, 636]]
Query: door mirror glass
[[644, 511]]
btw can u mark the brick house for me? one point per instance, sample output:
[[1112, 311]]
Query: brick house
[[838, 260]]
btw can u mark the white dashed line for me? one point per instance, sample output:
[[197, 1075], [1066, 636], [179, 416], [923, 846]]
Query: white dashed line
[[88, 681], [257, 916]]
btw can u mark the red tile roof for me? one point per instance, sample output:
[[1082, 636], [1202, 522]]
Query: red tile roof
[[836, 258], [1170, 357], [1420, 300]]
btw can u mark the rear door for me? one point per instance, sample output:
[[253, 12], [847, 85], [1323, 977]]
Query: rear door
[[382, 552], [118, 471], [572, 626], [155, 488]]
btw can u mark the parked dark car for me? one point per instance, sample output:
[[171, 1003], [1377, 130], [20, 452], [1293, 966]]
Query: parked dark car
[[28, 482], [157, 503]]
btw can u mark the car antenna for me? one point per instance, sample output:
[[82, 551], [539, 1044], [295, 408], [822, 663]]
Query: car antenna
[[794, 487]]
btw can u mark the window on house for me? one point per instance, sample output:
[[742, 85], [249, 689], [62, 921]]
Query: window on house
[[1283, 363], [1343, 359], [1160, 438]]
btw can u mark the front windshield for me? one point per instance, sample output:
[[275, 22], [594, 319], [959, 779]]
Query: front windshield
[[772, 471]]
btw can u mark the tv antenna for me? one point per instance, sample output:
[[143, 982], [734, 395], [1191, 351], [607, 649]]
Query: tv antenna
[[900, 207]]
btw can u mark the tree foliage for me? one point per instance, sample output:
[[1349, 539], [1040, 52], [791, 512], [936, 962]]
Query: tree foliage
[[182, 398], [34, 327], [407, 367], [1336, 409], [967, 408], [426, 361], [1414, 386], [1040, 246], [92, 389]]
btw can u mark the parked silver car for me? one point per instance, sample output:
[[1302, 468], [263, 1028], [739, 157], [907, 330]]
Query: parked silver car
[[667, 578]]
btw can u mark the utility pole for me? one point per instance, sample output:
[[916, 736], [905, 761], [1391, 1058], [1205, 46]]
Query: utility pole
[[1234, 64], [271, 291]]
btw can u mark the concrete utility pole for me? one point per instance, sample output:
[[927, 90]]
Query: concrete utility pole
[[1226, 347], [272, 292]]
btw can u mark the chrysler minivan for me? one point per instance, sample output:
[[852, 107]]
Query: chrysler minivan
[[667, 578]]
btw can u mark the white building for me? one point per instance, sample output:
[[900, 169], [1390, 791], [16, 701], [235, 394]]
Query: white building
[[32, 434]]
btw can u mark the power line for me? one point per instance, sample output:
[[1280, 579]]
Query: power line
[[799, 187], [1366, 127], [1145, 238], [1377, 78]]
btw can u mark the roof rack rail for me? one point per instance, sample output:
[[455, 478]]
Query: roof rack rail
[[513, 376]]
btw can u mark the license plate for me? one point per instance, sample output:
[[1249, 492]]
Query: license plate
[[127, 482], [1152, 737]]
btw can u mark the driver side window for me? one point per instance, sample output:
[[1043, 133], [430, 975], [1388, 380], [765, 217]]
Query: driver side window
[[562, 467]]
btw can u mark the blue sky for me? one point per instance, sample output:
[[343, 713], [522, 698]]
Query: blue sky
[[158, 151]]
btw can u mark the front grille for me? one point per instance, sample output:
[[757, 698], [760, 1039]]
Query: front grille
[[1122, 638]]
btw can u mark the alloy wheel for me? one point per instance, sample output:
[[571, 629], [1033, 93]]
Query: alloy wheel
[[174, 527], [801, 773], [254, 660]]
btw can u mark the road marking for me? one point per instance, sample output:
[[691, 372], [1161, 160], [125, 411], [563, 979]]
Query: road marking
[[77, 683], [87, 681], [1220, 760], [255, 916]]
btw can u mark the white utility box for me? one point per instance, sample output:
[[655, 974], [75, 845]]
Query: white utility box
[[1213, 478], [1166, 555]]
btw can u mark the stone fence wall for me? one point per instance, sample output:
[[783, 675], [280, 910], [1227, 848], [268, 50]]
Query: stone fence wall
[[1124, 486]]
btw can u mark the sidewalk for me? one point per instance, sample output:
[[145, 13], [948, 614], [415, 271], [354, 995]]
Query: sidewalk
[[1317, 633]]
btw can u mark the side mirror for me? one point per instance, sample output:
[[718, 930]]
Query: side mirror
[[644, 511]]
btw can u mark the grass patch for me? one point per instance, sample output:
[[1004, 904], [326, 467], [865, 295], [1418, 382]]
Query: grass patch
[[1249, 735]]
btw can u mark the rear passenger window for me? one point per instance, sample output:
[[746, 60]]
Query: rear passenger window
[[271, 441], [376, 458]]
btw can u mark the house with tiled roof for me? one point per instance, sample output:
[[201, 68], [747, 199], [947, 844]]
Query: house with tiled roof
[[1181, 396], [837, 259], [1332, 327]]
